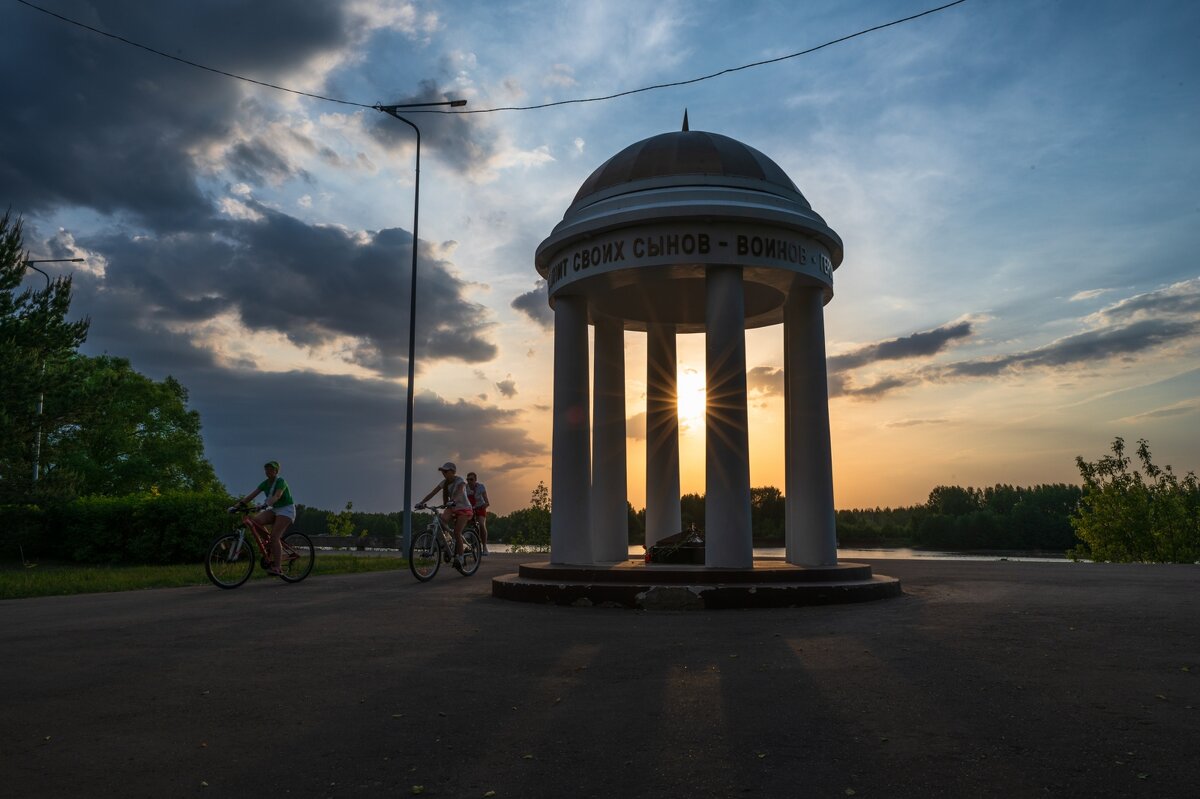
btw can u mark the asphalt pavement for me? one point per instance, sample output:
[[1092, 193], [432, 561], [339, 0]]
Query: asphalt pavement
[[984, 679]]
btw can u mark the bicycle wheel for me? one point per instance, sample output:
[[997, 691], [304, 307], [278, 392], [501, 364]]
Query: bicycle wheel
[[229, 561], [298, 557], [424, 559], [471, 553]]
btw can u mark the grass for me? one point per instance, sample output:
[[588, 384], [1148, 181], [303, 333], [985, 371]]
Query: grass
[[18, 581]]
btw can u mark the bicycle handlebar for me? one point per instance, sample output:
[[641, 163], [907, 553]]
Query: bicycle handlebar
[[240, 508]]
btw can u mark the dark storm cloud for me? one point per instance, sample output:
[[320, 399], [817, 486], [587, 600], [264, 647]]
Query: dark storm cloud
[[534, 305], [458, 140], [340, 438], [309, 283], [258, 163], [126, 123]]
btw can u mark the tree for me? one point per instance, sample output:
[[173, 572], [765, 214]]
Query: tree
[[691, 511], [954, 500], [342, 524], [35, 341], [119, 432], [1125, 517], [528, 529], [767, 512]]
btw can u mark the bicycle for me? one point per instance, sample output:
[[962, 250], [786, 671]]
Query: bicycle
[[231, 556], [429, 549]]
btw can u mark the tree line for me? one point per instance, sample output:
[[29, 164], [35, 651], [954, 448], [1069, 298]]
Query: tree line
[[1119, 514]]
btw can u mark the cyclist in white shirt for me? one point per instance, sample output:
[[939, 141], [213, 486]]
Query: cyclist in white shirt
[[458, 509], [477, 493]]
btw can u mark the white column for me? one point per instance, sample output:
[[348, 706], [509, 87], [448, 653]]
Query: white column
[[663, 516], [727, 534], [570, 539], [610, 517], [810, 535]]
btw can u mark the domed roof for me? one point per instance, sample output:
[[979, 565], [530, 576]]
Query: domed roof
[[667, 157]]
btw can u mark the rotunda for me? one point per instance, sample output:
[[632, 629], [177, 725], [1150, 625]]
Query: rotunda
[[687, 232]]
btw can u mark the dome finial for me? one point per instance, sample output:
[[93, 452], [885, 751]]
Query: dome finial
[[685, 124]]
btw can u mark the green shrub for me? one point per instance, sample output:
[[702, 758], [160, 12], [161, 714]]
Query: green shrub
[[1125, 517], [21, 532], [174, 527]]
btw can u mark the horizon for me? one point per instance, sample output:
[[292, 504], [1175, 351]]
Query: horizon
[[1014, 185]]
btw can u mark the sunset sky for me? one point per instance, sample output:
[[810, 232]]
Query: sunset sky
[[1015, 182]]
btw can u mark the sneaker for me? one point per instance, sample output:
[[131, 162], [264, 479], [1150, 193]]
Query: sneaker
[[485, 551], [458, 561]]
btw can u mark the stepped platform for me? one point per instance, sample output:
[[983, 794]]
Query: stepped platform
[[656, 586]]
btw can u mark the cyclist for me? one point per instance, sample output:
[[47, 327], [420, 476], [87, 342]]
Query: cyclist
[[278, 510], [477, 493], [458, 510]]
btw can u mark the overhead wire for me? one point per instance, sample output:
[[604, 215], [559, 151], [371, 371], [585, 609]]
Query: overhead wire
[[495, 109]]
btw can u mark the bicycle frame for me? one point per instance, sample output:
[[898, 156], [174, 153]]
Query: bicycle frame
[[262, 538], [231, 556], [437, 546]]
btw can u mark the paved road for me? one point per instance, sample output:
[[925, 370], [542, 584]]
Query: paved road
[[986, 679]]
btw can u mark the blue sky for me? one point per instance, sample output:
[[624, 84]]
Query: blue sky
[[1015, 184]]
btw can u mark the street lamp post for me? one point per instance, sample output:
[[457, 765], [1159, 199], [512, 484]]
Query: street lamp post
[[37, 442], [412, 309]]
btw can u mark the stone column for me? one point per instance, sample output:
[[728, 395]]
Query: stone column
[[662, 435], [570, 479], [728, 538], [810, 535], [610, 518]]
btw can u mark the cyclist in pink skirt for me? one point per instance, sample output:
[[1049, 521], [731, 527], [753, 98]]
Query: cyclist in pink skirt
[[458, 510]]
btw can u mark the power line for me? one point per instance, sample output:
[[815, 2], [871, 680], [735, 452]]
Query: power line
[[132, 43], [578, 100], [716, 74]]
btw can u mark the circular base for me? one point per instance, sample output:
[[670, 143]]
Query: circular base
[[649, 586]]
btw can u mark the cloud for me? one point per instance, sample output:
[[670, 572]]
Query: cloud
[[1090, 294], [461, 141], [1180, 299], [258, 162], [314, 285], [507, 387], [917, 345], [560, 76], [768, 381], [1182, 408], [1082, 348], [635, 427], [143, 121], [1123, 330], [534, 305], [341, 438]]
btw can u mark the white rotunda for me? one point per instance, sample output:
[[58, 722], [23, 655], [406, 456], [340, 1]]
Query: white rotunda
[[687, 232]]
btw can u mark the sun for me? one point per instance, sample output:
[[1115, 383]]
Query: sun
[[691, 396]]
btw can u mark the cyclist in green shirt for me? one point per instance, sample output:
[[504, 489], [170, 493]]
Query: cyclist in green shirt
[[278, 510]]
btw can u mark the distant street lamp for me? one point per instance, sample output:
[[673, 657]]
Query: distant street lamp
[[412, 309], [37, 444]]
